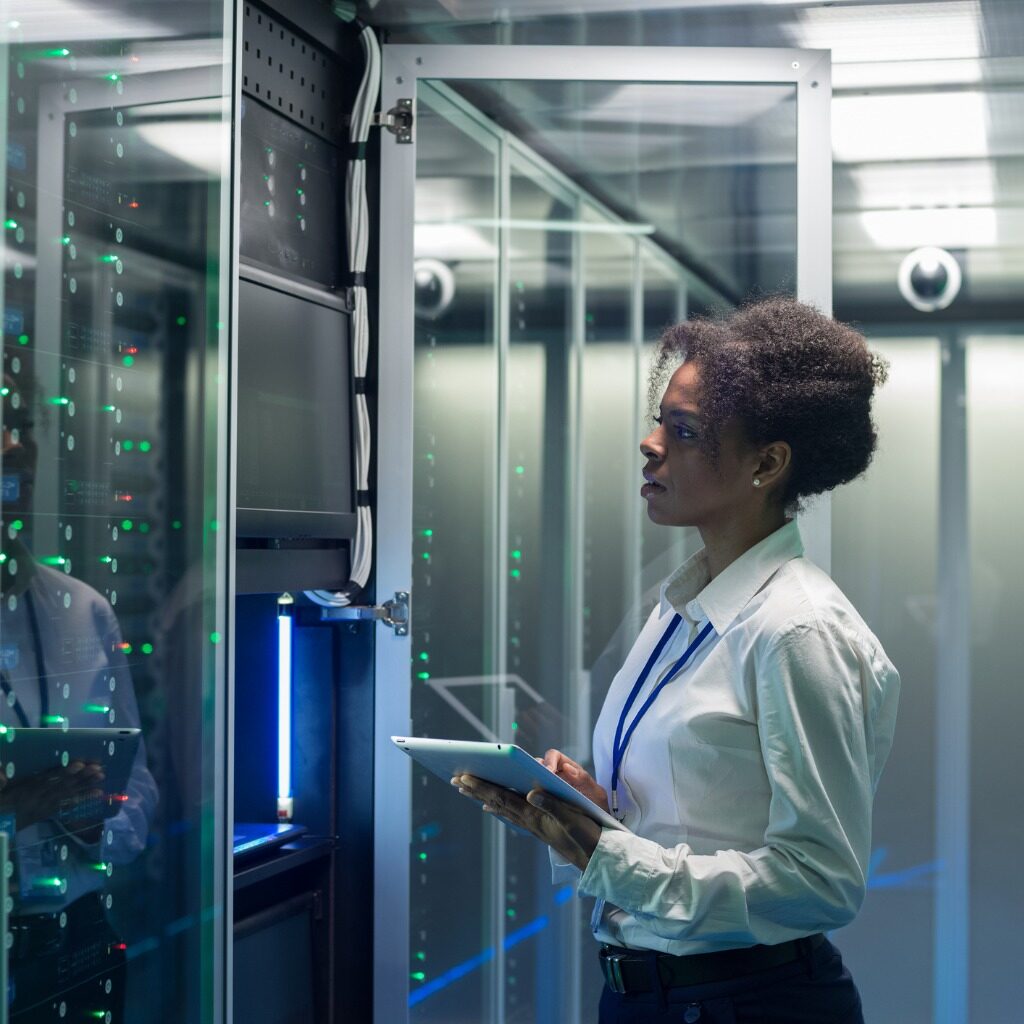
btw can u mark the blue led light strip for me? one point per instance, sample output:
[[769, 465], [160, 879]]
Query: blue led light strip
[[284, 709]]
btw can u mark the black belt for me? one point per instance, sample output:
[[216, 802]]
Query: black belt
[[629, 970]]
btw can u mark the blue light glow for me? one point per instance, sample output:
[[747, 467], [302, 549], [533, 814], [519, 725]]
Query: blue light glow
[[284, 706]]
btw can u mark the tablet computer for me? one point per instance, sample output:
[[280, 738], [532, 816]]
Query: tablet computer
[[504, 764], [26, 752]]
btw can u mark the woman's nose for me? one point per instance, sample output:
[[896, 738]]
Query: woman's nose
[[649, 447]]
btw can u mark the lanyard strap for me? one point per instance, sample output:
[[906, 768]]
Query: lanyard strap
[[621, 742]]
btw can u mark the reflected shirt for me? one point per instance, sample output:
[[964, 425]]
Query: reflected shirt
[[747, 787], [80, 641]]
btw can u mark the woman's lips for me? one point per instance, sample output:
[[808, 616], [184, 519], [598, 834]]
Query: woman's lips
[[650, 488]]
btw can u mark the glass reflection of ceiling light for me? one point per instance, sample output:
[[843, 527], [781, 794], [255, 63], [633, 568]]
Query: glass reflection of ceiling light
[[573, 226], [956, 228], [919, 126], [696, 105], [143, 57], [453, 242], [201, 144], [69, 21], [893, 32]]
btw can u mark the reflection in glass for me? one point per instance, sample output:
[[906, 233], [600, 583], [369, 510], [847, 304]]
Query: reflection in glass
[[113, 310]]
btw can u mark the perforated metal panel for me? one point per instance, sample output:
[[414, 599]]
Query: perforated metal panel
[[290, 73]]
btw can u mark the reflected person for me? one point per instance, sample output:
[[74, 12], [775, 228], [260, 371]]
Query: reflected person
[[61, 661], [742, 739]]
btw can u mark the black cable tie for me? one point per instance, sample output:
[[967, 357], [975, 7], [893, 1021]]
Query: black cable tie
[[359, 385], [356, 279], [362, 499], [355, 151]]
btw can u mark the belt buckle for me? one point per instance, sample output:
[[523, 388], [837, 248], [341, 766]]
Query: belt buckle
[[612, 964]]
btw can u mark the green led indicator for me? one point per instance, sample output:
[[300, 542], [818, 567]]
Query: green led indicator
[[176, 525], [430, 456], [144, 446], [298, 192], [58, 400], [428, 533], [127, 648], [266, 202], [147, 648], [3, 558], [214, 525], [65, 240], [61, 51], [590, 318], [515, 725], [108, 408], [143, 527], [5, 392], [424, 656], [99, 867], [109, 258], [10, 224], [520, 470], [515, 574], [422, 856], [417, 975], [126, 524], [48, 883], [181, 321], [112, 77], [96, 709], [215, 638], [17, 525], [510, 912], [128, 360], [426, 556], [53, 560], [423, 675], [127, 445], [420, 955], [52, 720], [106, 560], [23, 339], [517, 554]]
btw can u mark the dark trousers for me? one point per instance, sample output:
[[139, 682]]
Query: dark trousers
[[817, 989]]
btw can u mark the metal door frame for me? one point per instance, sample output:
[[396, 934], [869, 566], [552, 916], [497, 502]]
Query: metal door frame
[[404, 65]]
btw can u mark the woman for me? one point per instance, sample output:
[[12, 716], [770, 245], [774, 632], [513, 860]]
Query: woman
[[742, 740]]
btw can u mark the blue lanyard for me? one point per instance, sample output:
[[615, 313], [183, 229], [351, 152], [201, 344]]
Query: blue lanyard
[[621, 742]]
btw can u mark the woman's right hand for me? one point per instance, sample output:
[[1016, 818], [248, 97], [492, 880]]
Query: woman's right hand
[[576, 775]]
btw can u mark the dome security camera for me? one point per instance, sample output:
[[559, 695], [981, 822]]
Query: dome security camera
[[435, 287], [929, 278]]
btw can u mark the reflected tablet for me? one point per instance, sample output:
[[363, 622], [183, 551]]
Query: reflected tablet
[[504, 764], [31, 751]]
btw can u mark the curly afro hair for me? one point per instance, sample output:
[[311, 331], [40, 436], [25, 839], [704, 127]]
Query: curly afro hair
[[788, 373]]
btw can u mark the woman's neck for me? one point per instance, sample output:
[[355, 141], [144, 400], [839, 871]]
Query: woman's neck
[[724, 543]]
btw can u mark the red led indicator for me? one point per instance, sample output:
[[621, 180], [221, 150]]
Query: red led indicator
[[124, 646], [123, 497], [133, 205]]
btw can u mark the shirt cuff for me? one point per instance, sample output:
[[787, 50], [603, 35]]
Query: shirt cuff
[[562, 870], [619, 870]]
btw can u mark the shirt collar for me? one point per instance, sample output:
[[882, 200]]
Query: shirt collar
[[691, 593]]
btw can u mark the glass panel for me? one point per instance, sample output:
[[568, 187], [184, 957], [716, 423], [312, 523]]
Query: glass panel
[[454, 492], [995, 422], [533, 312], [113, 491], [884, 558]]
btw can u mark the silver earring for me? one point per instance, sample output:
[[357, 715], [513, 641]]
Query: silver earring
[[757, 483]]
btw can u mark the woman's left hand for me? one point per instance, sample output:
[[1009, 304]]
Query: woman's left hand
[[568, 831]]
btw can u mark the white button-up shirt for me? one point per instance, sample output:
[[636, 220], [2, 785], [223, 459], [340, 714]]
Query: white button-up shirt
[[747, 786]]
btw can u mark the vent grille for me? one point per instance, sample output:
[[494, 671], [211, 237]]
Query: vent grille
[[290, 74]]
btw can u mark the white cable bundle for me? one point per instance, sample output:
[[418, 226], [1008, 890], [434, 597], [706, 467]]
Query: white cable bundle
[[357, 217]]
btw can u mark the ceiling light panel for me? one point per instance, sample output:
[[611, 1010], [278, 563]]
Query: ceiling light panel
[[893, 32]]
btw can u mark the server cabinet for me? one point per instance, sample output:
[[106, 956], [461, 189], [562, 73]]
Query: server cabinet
[[115, 515]]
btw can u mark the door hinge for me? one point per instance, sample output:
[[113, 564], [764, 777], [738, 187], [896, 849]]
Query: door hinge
[[394, 613], [398, 120]]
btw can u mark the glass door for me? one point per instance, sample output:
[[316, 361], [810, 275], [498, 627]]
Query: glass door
[[540, 228], [116, 130]]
